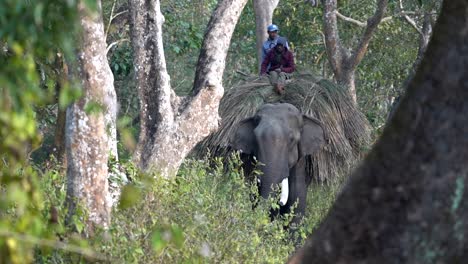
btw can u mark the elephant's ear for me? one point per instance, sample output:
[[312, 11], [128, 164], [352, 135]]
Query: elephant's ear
[[313, 136], [244, 137]]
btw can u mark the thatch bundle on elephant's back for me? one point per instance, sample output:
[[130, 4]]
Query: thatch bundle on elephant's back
[[346, 126]]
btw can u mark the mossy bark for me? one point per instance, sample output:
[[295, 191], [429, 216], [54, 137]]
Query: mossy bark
[[87, 140]]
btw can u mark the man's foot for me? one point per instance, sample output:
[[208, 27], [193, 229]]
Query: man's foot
[[279, 88]]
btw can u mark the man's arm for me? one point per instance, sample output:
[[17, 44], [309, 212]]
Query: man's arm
[[265, 63], [289, 66], [264, 50]]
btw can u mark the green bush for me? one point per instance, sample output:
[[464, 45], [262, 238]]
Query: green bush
[[205, 215]]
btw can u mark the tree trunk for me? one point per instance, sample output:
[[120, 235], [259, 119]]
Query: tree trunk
[[87, 139], [263, 17], [171, 126], [407, 203], [346, 78], [59, 138], [424, 37], [58, 149], [343, 62], [110, 116]]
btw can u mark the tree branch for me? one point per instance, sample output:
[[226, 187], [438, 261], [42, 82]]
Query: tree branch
[[372, 24], [152, 79], [364, 24], [410, 21], [110, 19], [211, 61], [351, 20], [115, 43], [332, 39]]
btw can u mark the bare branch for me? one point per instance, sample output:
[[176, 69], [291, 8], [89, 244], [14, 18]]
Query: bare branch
[[115, 43], [364, 24], [110, 19], [119, 13], [372, 24], [410, 21], [351, 20], [211, 61]]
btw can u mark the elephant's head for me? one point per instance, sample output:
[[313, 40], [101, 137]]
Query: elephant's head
[[279, 136]]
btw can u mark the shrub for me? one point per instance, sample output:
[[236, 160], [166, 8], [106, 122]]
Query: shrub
[[205, 215]]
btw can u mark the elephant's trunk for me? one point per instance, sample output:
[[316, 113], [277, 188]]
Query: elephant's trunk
[[273, 155], [272, 177]]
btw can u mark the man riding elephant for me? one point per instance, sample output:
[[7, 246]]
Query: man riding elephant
[[278, 64], [270, 43]]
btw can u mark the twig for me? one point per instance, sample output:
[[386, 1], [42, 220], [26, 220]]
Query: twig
[[110, 18], [411, 21], [242, 73], [54, 244], [120, 13], [364, 24], [351, 20], [115, 43]]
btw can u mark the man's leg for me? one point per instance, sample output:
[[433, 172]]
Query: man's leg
[[274, 81], [273, 78], [282, 77]]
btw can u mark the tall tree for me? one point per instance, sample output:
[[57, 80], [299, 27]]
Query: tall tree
[[171, 125], [87, 139], [407, 203], [343, 60], [263, 17]]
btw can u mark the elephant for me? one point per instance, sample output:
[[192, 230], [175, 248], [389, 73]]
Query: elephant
[[280, 137]]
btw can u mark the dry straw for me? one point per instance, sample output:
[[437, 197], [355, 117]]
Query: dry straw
[[347, 128]]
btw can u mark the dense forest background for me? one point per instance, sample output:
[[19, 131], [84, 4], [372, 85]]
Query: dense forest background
[[205, 214]]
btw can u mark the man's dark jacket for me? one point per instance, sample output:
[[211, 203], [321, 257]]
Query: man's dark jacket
[[286, 62]]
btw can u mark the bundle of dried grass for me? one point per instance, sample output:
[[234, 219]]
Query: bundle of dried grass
[[346, 126]]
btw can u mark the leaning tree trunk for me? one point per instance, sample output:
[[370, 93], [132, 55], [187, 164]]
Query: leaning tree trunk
[[263, 17], [87, 140], [343, 61], [171, 126], [407, 203]]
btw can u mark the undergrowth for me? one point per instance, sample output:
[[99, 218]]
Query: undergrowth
[[204, 215]]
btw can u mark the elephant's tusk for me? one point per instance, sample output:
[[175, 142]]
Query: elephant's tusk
[[284, 192]]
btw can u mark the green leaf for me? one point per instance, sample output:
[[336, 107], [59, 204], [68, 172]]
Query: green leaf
[[130, 195], [93, 107], [177, 235], [91, 5], [157, 241], [68, 95]]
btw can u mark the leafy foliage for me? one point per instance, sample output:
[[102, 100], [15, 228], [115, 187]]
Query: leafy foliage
[[31, 35], [389, 59], [205, 216]]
